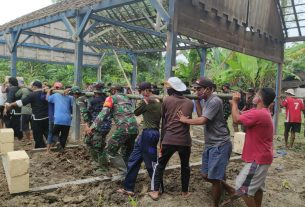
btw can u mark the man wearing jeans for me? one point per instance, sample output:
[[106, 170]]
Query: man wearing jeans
[[145, 148], [218, 146]]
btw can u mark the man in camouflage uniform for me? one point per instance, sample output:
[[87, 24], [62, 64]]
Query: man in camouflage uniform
[[90, 107], [118, 106]]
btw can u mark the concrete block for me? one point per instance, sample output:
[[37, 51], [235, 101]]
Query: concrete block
[[18, 163], [238, 142], [6, 136], [6, 147], [18, 184]]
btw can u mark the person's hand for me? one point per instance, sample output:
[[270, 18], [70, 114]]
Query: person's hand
[[67, 91], [182, 117], [145, 100], [236, 97], [89, 131]]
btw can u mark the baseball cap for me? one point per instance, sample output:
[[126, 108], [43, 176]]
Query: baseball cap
[[204, 83], [176, 84], [144, 85]]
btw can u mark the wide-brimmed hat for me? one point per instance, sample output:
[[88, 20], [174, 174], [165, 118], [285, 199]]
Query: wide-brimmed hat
[[175, 83], [290, 91]]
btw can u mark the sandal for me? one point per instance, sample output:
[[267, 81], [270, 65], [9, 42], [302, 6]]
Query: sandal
[[125, 192]]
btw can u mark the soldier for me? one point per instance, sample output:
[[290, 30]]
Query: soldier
[[90, 108], [118, 106]]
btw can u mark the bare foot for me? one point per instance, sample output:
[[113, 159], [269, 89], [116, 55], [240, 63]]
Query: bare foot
[[230, 200], [125, 192], [185, 194], [154, 195]]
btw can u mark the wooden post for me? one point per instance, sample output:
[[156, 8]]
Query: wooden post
[[203, 61], [78, 65], [171, 41], [278, 97]]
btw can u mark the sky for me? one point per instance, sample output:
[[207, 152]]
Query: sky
[[12, 9]]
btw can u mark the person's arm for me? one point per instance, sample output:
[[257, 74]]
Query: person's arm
[[18, 94], [81, 102], [49, 97], [197, 121], [198, 108], [235, 111], [141, 108]]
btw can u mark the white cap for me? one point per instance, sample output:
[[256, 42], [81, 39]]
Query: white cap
[[176, 84], [290, 91]]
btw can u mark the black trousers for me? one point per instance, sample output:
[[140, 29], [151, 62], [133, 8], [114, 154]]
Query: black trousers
[[61, 132], [40, 129], [166, 153], [15, 123]]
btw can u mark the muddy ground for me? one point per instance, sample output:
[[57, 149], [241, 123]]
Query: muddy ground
[[285, 184]]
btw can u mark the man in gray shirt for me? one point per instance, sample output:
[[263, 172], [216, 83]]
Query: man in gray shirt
[[218, 146]]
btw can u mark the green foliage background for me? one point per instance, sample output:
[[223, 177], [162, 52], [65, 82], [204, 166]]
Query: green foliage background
[[223, 66]]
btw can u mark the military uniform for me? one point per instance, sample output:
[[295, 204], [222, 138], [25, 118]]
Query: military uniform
[[90, 108], [118, 106]]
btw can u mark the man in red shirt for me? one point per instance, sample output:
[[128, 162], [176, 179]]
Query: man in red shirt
[[294, 108], [258, 147]]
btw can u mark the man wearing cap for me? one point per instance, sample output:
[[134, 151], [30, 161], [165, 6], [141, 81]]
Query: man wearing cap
[[218, 146], [40, 121], [175, 136], [294, 108], [118, 107], [145, 148]]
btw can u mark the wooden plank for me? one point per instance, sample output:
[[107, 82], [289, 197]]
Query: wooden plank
[[111, 179], [264, 17], [53, 148], [207, 27], [233, 9]]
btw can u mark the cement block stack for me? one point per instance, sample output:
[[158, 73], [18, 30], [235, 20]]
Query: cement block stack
[[18, 164], [6, 141], [238, 142]]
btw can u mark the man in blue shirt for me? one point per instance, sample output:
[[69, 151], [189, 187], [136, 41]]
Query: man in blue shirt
[[62, 116]]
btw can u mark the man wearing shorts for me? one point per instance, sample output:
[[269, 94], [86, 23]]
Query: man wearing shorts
[[294, 108], [218, 146], [258, 147]]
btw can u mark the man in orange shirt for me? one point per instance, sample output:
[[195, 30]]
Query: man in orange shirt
[[294, 108]]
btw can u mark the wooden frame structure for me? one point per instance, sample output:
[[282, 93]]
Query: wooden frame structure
[[81, 32]]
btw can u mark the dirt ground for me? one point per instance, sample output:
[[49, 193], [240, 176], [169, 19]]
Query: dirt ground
[[285, 184]]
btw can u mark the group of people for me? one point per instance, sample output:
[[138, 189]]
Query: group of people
[[174, 113], [48, 114], [166, 121]]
